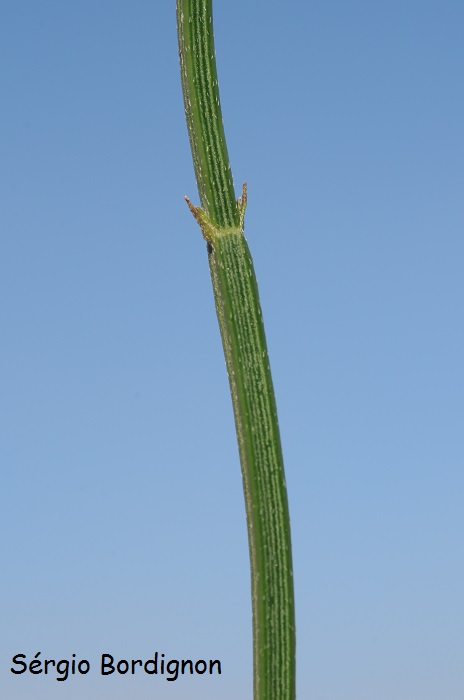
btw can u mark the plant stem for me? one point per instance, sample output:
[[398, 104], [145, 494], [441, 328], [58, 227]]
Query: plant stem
[[221, 219]]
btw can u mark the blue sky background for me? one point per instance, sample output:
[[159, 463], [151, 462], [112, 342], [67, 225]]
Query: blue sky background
[[122, 517]]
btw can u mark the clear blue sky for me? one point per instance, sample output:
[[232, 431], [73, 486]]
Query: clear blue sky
[[122, 517]]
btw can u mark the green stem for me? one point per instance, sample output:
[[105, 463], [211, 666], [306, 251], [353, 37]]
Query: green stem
[[221, 219]]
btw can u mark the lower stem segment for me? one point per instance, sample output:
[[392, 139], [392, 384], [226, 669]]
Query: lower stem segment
[[242, 330]]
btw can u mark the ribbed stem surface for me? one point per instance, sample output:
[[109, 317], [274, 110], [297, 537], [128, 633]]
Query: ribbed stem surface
[[242, 331], [203, 111]]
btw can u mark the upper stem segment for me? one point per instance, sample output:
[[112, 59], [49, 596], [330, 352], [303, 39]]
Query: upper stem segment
[[203, 112]]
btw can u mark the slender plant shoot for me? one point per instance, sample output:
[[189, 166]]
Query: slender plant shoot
[[221, 219]]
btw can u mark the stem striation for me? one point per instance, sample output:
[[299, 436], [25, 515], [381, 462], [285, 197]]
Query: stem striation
[[221, 219]]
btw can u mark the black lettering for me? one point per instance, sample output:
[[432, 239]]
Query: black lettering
[[120, 666], [184, 664], [107, 664], [197, 666], [36, 663], [135, 662], [172, 668], [80, 667], [47, 663], [62, 669], [212, 664], [16, 660], [150, 661]]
